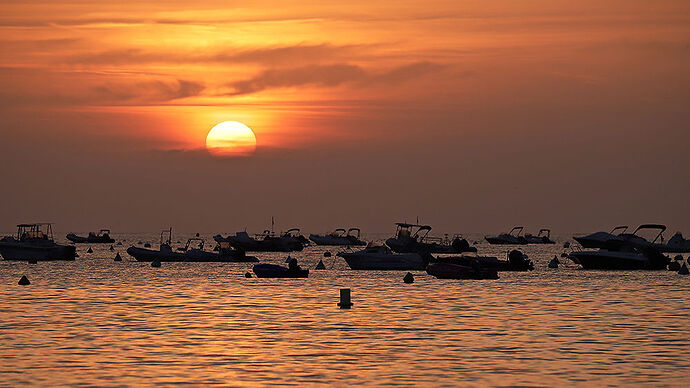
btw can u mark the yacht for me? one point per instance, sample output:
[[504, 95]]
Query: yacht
[[382, 258], [338, 237], [35, 242], [514, 237], [289, 241], [611, 239], [411, 238]]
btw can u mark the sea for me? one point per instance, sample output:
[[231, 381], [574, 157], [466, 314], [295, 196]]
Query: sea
[[98, 322]]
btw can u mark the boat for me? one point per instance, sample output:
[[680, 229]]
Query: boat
[[278, 271], [625, 257], [515, 261], [103, 236], [543, 237], [414, 238], [514, 237], [289, 241], [338, 237], [445, 270], [34, 242], [193, 251], [676, 244], [598, 239], [608, 240], [382, 258]]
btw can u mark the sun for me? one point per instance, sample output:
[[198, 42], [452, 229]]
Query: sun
[[231, 138]]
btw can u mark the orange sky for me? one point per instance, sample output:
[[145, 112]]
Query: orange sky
[[385, 75]]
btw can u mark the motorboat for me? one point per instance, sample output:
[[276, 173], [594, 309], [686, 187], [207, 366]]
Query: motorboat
[[514, 237], [445, 270], [625, 257], [599, 239], [289, 241], [676, 244], [515, 261], [413, 238], [193, 251], [543, 237], [607, 240], [338, 237], [103, 236], [383, 258], [293, 270], [35, 242]]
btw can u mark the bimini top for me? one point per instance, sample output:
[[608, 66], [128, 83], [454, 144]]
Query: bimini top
[[34, 224]]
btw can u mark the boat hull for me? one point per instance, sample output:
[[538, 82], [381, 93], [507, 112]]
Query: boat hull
[[455, 271], [412, 246], [147, 255], [90, 240], [28, 252], [613, 260], [385, 262], [277, 271]]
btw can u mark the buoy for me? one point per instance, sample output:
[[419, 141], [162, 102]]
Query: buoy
[[678, 258], [247, 275], [684, 270], [320, 265], [156, 263], [287, 260], [89, 250], [119, 243], [566, 244], [327, 254], [564, 254], [33, 261], [408, 278], [139, 242], [345, 302], [118, 257], [553, 263], [112, 248], [674, 266], [147, 245], [24, 281]]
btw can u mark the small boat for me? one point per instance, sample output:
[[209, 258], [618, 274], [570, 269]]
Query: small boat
[[34, 242], [413, 238], [382, 258], [514, 237], [289, 241], [625, 257], [456, 271], [515, 261], [676, 244], [278, 271], [338, 237], [103, 236], [543, 237], [608, 240], [599, 239], [193, 251]]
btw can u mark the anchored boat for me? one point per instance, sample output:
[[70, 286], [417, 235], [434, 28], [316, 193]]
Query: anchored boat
[[35, 242], [338, 237], [514, 237], [625, 257], [411, 238], [543, 237], [289, 241], [103, 236], [382, 258]]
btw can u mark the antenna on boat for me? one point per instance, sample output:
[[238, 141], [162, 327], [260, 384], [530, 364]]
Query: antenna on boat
[[272, 224]]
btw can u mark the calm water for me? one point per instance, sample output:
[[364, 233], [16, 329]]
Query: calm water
[[100, 322]]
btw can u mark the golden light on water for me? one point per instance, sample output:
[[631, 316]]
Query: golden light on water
[[231, 138]]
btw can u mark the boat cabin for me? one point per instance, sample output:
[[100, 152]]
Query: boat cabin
[[413, 231]]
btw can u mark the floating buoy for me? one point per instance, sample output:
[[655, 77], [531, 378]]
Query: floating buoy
[[112, 248], [33, 261], [147, 245], [684, 270], [89, 250], [320, 265], [156, 263], [327, 254], [247, 275], [674, 266], [140, 242], [118, 257], [566, 244], [345, 302], [553, 263], [119, 243], [287, 260], [409, 278], [564, 254], [24, 281]]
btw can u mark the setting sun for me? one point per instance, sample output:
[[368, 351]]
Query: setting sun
[[231, 138]]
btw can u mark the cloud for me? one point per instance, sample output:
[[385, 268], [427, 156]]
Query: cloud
[[329, 75], [151, 91]]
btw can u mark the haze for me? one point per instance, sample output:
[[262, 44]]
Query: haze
[[473, 116]]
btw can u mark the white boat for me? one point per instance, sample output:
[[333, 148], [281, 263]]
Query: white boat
[[382, 258], [338, 237], [35, 242]]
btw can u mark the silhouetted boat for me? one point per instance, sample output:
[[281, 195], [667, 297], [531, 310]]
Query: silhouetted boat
[[515, 261], [103, 236], [289, 241], [607, 240], [382, 258], [278, 271], [412, 238], [34, 242], [676, 244], [456, 271], [625, 257], [338, 237], [598, 239], [513, 237], [193, 251], [543, 237]]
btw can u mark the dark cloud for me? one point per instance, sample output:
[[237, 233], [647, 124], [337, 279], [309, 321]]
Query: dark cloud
[[329, 75], [152, 91]]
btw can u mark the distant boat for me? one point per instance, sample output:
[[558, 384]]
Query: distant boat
[[515, 261], [382, 258], [289, 241], [277, 271], [626, 258], [456, 271], [103, 236], [514, 237], [35, 242], [193, 251], [543, 237], [338, 237], [411, 238]]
